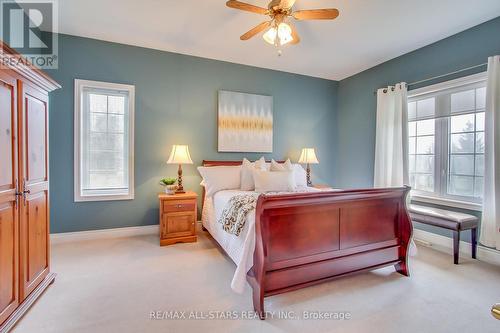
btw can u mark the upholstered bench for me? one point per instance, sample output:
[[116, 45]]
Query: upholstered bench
[[446, 219]]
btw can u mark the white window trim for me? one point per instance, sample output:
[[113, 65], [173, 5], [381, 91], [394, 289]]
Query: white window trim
[[470, 79], [420, 196], [106, 195]]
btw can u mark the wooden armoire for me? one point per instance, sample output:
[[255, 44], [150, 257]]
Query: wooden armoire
[[24, 186]]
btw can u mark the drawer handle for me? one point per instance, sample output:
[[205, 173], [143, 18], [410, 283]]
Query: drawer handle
[[179, 206]]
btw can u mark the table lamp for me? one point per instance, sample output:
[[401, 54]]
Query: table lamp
[[179, 155], [495, 311], [308, 156]]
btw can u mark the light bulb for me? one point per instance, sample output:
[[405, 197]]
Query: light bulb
[[284, 33], [280, 36], [270, 36]]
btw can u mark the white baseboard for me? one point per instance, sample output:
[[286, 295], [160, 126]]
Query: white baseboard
[[445, 244], [104, 234]]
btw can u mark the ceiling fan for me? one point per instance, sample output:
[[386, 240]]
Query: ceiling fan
[[278, 31]]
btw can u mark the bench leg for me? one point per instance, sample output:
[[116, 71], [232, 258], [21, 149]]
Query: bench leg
[[473, 233], [456, 246]]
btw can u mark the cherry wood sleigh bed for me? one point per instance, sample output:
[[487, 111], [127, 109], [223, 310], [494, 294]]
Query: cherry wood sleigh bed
[[307, 238]]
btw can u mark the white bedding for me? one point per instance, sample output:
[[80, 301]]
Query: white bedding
[[239, 248]]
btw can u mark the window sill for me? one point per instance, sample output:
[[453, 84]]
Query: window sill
[[447, 202], [104, 197]]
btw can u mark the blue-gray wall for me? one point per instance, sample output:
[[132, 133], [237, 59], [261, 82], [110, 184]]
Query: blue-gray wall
[[176, 102], [357, 103]]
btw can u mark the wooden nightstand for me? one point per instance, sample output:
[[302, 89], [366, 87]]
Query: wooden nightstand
[[322, 187], [178, 218]]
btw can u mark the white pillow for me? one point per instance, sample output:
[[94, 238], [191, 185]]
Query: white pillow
[[261, 164], [300, 175], [287, 166], [299, 172], [218, 178], [274, 181], [247, 167]]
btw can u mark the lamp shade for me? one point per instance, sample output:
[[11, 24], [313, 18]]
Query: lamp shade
[[308, 156], [180, 155]]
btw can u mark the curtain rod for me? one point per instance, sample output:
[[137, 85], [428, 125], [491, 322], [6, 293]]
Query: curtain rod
[[440, 76]]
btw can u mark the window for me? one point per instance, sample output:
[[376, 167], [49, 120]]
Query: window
[[104, 141], [446, 139]]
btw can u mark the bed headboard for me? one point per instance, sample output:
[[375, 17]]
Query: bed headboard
[[209, 163]]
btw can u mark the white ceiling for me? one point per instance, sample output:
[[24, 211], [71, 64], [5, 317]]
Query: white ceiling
[[367, 32]]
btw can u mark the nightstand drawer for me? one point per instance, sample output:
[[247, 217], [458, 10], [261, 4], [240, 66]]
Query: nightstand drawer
[[178, 225], [178, 206]]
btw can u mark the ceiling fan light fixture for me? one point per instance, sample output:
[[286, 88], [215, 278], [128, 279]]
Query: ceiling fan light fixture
[[279, 36]]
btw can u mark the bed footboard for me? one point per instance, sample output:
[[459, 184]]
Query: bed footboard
[[304, 239]]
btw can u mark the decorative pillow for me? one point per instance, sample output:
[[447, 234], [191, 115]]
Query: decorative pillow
[[247, 167], [220, 178], [261, 164], [274, 181], [300, 175], [287, 166]]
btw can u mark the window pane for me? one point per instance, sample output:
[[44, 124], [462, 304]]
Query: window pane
[[412, 128], [426, 127], [426, 108], [480, 121], [461, 185], [102, 161], [464, 123], [103, 180], [412, 180], [98, 122], [463, 101], [478, 187], [116, 104], [481, 98], [412, 110], [480, 142], [98, 141], [424, 182], [425, 164], [425, 145], [116, 123], [462, 164], [462, 143], [411, 145], [479, 165], [411, 161], [115, 142], [98, 103]]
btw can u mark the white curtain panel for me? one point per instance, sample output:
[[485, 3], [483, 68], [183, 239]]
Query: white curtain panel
[[490, 224], [391, 143]]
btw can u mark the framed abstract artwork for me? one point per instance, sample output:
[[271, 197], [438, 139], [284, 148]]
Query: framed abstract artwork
[[245, 122]]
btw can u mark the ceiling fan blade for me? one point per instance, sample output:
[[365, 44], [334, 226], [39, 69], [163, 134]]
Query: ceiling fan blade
[[252, 32], [295, 35], [246, 7], [316, 14]]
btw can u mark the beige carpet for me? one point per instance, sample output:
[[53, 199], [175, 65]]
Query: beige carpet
[[113, 285]]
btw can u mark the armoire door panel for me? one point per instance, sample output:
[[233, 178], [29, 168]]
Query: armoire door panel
[[9, 297], [7, 118], [34, 223], [36, 236], [9, 213], [36, 139]]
